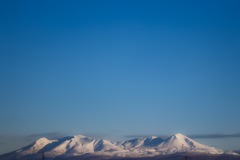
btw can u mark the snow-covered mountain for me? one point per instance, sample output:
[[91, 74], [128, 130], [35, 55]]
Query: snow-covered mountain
[[181, 143], [80, 145]]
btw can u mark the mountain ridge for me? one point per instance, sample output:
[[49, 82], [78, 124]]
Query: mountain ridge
[[80, 145]]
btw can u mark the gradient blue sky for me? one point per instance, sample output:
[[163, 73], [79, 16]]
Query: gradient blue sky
[[114, 68]]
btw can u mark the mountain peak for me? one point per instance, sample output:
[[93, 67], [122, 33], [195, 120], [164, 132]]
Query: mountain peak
[[42, 140], [179, 135], [79, 136]]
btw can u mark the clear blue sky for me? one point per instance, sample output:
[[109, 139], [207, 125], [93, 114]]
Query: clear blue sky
[[114, 69]]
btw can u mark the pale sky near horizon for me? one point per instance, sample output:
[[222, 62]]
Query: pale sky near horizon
[[116, 69]]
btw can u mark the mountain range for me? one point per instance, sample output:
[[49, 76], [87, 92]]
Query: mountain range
[[81, 147]]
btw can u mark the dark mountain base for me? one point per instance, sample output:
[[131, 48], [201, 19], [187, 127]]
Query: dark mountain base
[[167, 157]]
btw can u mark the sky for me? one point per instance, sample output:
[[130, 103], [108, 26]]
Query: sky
[[118, 69]]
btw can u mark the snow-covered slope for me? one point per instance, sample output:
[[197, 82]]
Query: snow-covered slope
[[35, 147], [181, 143], [72, 146], [142, 142], [80, 145]]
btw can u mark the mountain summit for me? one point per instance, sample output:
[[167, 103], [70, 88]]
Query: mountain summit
[[82, 146], [181, 143]]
